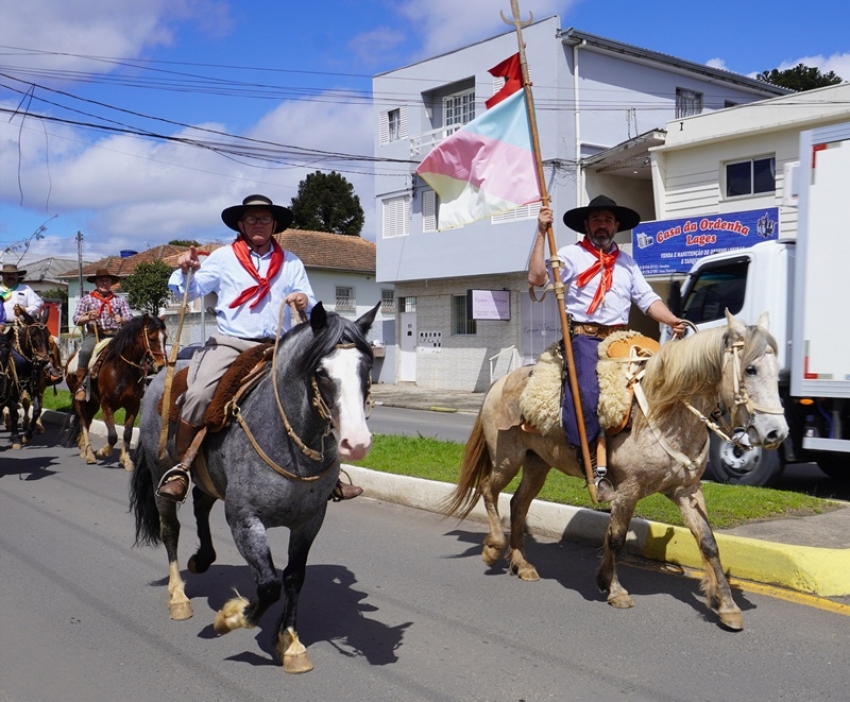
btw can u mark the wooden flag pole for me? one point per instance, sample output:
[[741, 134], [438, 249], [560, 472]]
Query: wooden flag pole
[[558, 286]]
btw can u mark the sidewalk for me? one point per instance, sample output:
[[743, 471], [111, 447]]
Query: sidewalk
[[805, 554]]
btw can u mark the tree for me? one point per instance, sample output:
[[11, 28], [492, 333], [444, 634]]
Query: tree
[[183, 242], [326, 203], [801, 77], [147, 288]]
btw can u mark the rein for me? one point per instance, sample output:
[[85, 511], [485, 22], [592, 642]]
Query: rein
[[148, 352]]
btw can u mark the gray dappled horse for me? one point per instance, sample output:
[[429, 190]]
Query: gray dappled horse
[[307, 413], [732, 368]]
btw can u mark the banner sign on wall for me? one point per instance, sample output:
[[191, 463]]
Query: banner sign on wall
[[674, 245]]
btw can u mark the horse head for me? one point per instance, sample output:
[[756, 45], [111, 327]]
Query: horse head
[[33, 336], [140, 343], [337, 359], [155, 336], [750, 386]]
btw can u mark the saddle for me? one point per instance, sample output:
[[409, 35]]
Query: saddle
[[540, 401], [242, 376], [622, 358]]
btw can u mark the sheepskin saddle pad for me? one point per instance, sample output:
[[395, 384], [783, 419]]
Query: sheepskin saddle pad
[[245, 372], [540, 402], [622, 357]]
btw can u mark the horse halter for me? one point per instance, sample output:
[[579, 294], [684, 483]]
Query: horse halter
[[147, 359], [37, 358], [741, 402]]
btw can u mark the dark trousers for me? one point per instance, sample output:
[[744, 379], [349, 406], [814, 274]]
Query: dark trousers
[[586, 358]]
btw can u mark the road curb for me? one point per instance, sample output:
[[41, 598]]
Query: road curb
[[817, 571]]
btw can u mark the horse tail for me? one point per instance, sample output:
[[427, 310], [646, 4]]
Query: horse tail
[[143, 502], [70, 431], [475, 465]]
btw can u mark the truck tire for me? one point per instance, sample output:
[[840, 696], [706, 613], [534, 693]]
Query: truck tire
[[836, 467], [729, 464]]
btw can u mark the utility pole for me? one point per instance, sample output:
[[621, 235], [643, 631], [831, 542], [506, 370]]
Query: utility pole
[[80, 259]]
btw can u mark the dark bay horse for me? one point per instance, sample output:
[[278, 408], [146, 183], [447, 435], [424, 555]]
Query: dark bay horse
[[118, 376], [27, 354], [277, 468], [733, 369]]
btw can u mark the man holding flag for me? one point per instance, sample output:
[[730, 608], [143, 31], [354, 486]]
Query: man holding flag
[[601, 282]]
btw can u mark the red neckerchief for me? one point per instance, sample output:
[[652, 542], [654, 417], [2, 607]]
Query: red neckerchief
[[105, 302], [605, 263], [263, 286]]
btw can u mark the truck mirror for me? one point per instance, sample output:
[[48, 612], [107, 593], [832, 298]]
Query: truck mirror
[[674, 300]]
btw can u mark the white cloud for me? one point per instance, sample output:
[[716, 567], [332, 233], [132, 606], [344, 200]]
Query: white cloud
[[839, 63]]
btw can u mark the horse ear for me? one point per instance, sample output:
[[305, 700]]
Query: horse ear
[[365, 322], [318, 317], [764, 321], [737, 330]]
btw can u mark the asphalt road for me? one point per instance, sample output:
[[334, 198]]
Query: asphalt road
[[398, 606]]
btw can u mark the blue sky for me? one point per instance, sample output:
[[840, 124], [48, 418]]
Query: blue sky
[[294, 77]]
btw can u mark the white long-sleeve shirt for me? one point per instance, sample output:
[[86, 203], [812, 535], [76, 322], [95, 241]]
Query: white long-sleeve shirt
[[222, 274], [24, 296], [628, 286]]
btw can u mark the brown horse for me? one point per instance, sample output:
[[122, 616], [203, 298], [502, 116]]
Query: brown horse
[[733, 369], [26, 355], [118, 374]]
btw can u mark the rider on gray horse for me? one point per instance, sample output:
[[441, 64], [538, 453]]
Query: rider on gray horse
[[252, 278]]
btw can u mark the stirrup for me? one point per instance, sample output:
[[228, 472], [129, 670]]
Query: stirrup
[[604, 487], [345, 491], [179, 473]]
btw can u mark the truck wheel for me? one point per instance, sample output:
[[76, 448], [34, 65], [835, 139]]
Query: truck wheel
[[730, 464], [836, 467]]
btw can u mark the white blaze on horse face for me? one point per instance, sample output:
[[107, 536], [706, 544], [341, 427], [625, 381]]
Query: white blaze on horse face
[[348, 412]]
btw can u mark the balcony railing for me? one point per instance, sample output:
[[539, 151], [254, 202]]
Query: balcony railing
[[423, 143]]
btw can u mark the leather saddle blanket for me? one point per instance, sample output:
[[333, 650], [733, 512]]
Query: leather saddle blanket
[[540, 401], [242, 376], [95, 357]]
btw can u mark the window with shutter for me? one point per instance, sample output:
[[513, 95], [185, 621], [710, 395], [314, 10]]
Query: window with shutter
[[395, 216], [429, 211]]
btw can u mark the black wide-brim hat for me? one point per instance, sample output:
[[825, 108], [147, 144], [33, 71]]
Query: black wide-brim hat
[[627, 217], [282, 215]]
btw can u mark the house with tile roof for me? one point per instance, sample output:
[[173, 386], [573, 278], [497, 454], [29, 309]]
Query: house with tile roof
[[341, 270]]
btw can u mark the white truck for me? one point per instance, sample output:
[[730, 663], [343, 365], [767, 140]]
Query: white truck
[[805, 287]]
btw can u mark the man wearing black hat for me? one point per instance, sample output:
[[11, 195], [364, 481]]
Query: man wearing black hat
[[600, 284], [252, 278]]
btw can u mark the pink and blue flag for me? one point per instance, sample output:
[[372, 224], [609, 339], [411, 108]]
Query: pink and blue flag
[[486, 167]]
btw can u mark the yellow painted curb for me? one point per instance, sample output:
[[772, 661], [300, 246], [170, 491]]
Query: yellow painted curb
[[820, 571]]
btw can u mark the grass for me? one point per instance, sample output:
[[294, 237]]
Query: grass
[[728, 505], [428, 458], [60, 400]]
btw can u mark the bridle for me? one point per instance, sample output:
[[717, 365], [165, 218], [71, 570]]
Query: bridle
[[37, 357], [321, 407], [147, 359]]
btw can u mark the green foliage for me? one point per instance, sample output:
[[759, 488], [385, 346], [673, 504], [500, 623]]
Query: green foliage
[[801, 77], [326, 203], [147, 288], [183, 242], [728, 505]]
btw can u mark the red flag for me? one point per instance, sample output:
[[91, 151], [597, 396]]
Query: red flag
[[511, 70]]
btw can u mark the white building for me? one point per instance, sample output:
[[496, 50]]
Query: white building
[[600, 106]]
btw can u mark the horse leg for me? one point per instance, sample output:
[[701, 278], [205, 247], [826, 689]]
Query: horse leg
[[111, 433], [622, 509], [714, 584], [491, 486], [534, 472], [205, 556], [126, 439], [292, 652], [83, 441], [14, 434], [252, 541], [179, 606]]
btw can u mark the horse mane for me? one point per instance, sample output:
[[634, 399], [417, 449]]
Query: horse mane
[[338, 330], [126, 340], [689, 370]]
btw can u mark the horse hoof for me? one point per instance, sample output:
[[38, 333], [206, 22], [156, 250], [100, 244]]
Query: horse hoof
[[528, 573], [293, 653], [231, 616], [731, 620], [621, 601], [491, 555], [181, 611]]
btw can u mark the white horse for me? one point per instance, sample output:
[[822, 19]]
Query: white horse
[[733, 369]]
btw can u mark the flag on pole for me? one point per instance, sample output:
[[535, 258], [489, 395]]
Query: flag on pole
[[486, 167], [511, 70]]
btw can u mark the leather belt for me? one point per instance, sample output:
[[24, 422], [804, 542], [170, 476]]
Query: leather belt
[[594, 329]]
